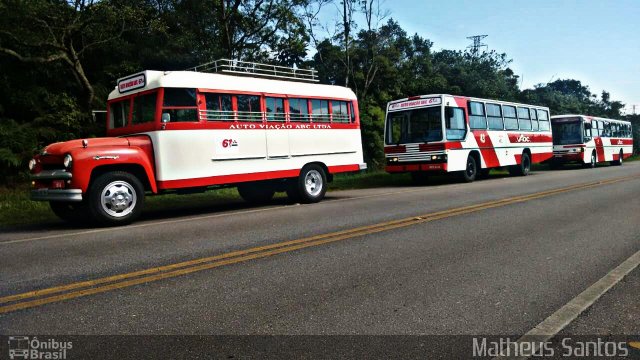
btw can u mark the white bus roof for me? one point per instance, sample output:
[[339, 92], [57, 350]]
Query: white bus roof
[[501, 102], [190, 79], [587, 117]]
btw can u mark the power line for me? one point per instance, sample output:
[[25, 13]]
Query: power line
[[477, 43]]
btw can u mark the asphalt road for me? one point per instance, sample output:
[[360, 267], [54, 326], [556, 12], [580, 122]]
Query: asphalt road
[[439, 264]]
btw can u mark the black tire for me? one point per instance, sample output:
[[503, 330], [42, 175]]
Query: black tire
[[115, 198], [256, 193], [419, 177], [523, 168], [619, 161], [72, 212], [310, 186], [471, 171], [592, 161]]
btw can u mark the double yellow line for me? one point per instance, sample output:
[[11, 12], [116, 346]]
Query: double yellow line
[[84, 288]]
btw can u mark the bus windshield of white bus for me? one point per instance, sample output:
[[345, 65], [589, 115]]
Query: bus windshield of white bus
[[567, 131], [414, 126]]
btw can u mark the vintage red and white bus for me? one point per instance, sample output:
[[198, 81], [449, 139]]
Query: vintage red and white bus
[[469, 136], [589, 140], [271, 129]]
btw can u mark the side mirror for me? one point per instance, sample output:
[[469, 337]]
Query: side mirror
[[587, 126], [166, 117]]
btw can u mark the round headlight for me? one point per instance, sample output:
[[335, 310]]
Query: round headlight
[[67, 161], [32, 164]]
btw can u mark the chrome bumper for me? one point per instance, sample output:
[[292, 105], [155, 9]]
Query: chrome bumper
[[73, 195]]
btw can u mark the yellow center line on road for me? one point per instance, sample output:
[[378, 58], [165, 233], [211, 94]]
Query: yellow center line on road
[[90, 287]]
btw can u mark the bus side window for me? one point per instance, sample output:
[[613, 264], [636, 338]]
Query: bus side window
[[352, 112], [543, 118], [249, 108], [339, 111], [477, 119], [144, 108], [298, 110], [524, 119], [119, 114], [274, 109], [454, 121], [494, 117], [534, 120], [320, 110], [587, 129], [510, 118], [219, 107], [607, 129], [180, 105]]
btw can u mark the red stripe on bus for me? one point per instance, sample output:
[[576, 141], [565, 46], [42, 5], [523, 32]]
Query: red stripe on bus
[[238, 178], [523, 138], [486, 148], [616, 141], [599, 149], [395, 149], [431, 147]]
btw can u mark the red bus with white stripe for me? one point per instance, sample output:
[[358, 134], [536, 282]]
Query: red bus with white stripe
[[271, 129], [588, 140], [464, 135]]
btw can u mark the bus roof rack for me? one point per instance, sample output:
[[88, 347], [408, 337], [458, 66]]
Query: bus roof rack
[[238, 67]]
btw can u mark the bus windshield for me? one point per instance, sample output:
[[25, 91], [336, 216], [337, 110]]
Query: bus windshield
[[569, 132], [414, 126]]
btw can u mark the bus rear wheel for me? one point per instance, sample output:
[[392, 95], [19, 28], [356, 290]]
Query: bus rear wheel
[[256, 193], [619, 161], [310, 186], [523, 168]]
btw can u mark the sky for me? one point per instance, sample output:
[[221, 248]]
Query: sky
[[594, 41]]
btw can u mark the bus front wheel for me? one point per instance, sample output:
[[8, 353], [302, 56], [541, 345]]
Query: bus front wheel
[[115, 198], [592, 162], [471, 171]]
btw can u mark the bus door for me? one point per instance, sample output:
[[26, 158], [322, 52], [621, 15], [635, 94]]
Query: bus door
[[277, 131]]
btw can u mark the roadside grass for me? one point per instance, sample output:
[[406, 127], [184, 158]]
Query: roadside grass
[[17, 210]]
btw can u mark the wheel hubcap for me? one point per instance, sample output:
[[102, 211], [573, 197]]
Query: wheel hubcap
[[313, 183], [118, 199]]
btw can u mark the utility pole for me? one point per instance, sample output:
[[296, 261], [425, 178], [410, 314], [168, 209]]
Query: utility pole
[[477, 43]]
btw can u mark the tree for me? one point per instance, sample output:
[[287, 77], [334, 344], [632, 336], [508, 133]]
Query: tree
[[252, 29], [45, 32]]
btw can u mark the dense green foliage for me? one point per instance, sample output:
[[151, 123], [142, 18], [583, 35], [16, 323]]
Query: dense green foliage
[[60, 58]]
